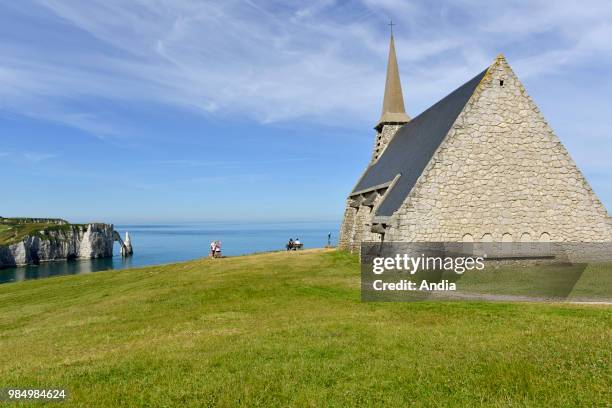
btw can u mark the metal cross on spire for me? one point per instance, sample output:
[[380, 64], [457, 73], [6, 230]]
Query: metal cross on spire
[[391, 25]]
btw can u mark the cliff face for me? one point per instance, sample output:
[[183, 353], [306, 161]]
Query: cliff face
[[71, 241]]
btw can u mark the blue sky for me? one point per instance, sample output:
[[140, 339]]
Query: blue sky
[[172, 110]]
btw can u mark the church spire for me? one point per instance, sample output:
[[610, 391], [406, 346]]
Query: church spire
[[393, 103]]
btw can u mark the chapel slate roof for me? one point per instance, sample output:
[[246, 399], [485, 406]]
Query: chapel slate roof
[[413, 146]]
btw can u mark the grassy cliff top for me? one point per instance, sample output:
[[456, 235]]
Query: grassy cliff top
[[13, 230], [289, 329]]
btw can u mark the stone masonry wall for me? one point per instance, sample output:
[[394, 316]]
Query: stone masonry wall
[[357, 227], [356, 222], [501, 175], [347, 227], [382, 139]]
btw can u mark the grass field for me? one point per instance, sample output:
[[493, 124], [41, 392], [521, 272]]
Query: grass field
[[13, 230], [288, 329]]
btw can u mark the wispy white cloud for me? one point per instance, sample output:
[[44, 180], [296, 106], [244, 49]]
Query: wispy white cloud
[[319, 61], [201, 182], [225, 163], [36, 157], [28, 156]]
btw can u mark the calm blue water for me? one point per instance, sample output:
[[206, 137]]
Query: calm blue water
[[158, 244]]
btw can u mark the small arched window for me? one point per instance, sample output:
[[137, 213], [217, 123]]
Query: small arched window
[[487, 244], [525, 243], [506, 244], [468, 244], [545, 244]]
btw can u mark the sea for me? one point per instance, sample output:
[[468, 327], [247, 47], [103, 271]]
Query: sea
[[156, 244]]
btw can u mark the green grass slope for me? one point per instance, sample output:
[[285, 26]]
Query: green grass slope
[[13, 230], [288, 329]]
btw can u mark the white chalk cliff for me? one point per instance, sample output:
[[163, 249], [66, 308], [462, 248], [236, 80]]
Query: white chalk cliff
[[77, 241]]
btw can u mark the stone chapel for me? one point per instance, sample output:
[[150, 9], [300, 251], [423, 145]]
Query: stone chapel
[[480, 165]]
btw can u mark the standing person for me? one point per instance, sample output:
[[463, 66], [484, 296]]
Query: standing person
[[213, 246], [329, 239], [218, 249]]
